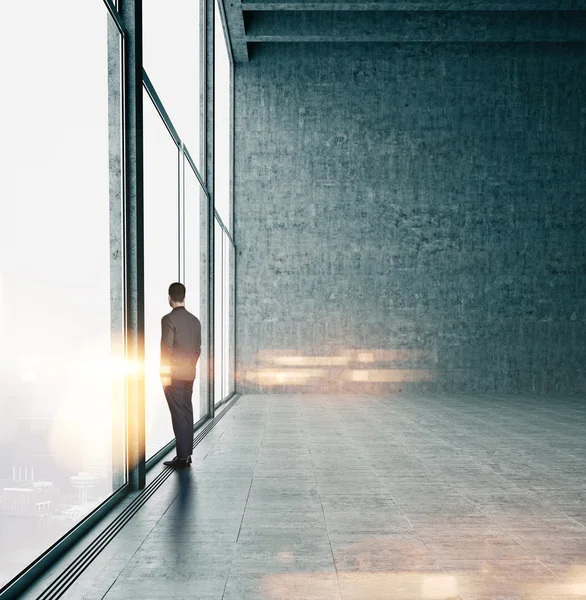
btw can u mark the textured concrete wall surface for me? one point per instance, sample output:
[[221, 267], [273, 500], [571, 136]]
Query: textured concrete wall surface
[[411, 217]]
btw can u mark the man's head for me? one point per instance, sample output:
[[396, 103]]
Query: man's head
[[177, 294]]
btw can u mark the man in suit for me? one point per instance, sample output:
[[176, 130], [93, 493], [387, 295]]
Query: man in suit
[[180, 350]]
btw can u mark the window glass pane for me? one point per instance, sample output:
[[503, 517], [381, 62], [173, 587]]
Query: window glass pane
[[61, 369], [161, 263], [218, 314], [194, 197], [232, 313], [222, 145], [171, 57], [226, 331]]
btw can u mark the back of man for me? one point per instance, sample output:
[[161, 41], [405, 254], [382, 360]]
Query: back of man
[[181, 343], [180, 351]]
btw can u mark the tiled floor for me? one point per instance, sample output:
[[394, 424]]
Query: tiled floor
[[398, 498]]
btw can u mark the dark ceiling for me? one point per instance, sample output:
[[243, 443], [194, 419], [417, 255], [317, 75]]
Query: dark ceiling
[[261, 21]]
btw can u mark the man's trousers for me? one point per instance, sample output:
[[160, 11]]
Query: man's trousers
[[178, 396]]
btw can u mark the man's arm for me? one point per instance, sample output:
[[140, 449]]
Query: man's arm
[[198, 343], [167, 337]]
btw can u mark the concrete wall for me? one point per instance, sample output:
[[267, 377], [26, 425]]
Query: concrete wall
[[424, 202]]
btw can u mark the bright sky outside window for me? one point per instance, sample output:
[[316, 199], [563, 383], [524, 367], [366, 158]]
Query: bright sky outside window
[[59, 379], [194, 197], [218, 312], [161, 256], [222, 136], [172, 57]]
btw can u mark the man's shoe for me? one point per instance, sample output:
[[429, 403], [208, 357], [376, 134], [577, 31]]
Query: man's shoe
[[178, 463]]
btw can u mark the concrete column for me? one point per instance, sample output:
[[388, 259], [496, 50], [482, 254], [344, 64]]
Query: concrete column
[[209, 180], [131, 11], [204, 364], [117, 283]]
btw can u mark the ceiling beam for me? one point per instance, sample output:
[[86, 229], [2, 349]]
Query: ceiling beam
[[361, 26], [235, 24], [415, 5]]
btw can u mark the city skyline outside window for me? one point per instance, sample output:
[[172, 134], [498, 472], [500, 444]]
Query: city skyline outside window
[[62, 401]]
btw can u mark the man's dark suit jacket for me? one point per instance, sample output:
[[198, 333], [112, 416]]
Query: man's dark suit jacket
[[180, 344]]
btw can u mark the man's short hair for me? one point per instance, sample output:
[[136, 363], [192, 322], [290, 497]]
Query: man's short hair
[[177, 292]]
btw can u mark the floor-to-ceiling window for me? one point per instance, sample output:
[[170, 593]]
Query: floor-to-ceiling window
[[69, 289], [222, 121], [223, 240], [228, 316], [173, 193], [161, 262], [172, 57], [62, 399], [193, 274], [218, 310]]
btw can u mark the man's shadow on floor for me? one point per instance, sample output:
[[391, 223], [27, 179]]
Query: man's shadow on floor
[[182, 511]]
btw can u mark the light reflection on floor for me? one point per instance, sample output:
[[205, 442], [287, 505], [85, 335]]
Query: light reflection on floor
[[295, 497], [415, 586]]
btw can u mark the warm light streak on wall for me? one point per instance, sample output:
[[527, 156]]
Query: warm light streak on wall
[[311, 361], [387, 355], [365, 357], [348, 366], [291, 357], [285, 377], [388, 375], [268, 355]]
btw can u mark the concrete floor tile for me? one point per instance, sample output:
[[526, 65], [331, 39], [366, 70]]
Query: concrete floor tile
[[286, 534], [177, 561], [285, 518], [383, 554], [168, 589], [332, 498], [283, 586]]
